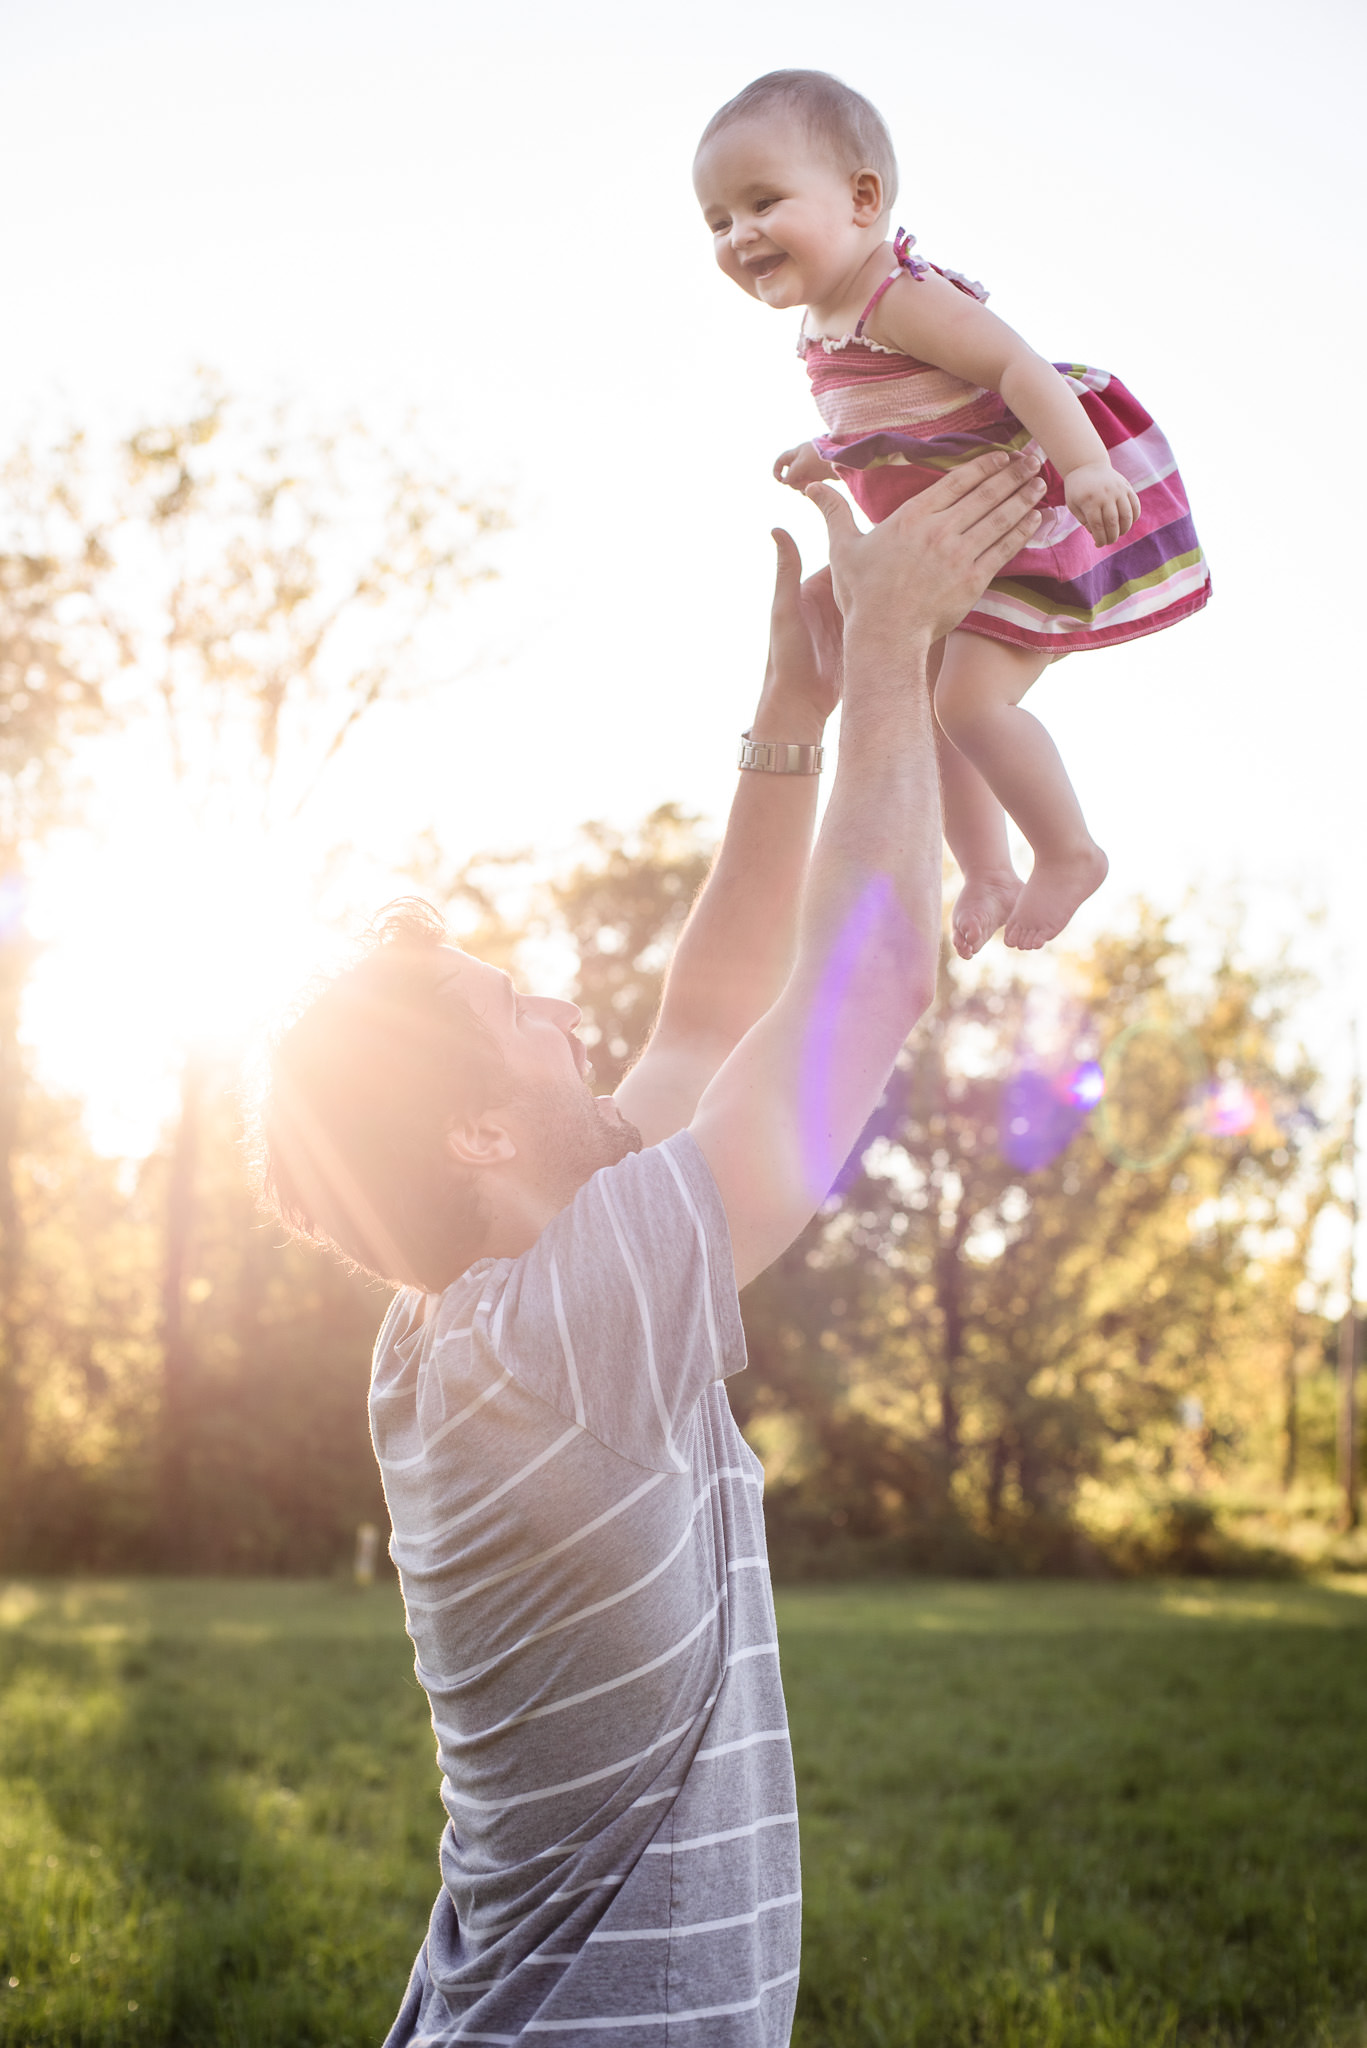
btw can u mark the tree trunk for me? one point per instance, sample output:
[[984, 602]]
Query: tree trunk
[[15, 956], [1350, 1510], [177, 1359], [996, 1478], [949, 1286], [13, 1392], [1291, 1416]]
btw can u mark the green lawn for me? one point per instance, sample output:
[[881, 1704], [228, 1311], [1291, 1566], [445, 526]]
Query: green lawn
[[1035, 1816]]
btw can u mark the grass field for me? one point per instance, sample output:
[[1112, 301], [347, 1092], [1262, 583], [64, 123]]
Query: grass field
[[1035, 1816]]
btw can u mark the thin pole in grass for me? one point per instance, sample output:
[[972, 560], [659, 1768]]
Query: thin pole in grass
[[367, 1552], [1350, 1513]]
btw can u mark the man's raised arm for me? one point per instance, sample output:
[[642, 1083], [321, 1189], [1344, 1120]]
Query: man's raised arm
[[736, 951], [781, 1115]]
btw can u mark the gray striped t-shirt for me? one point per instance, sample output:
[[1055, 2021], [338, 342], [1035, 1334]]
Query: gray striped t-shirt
[[578, 1531]]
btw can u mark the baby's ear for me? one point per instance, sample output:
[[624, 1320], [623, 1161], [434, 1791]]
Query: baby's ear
[[866, 190]]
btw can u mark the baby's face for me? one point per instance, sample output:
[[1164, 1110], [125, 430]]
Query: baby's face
[[787, 225]]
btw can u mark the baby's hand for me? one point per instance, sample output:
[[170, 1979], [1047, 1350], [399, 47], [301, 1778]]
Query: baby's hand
[[1101, 499], [800, 466]]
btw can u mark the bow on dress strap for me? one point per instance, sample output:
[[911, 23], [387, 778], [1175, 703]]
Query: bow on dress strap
[[916, 266], [902, 246]]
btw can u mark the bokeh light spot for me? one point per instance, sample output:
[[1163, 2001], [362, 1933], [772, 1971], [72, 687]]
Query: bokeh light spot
[[1086, 1085], [1231, 1109], [13, 896]]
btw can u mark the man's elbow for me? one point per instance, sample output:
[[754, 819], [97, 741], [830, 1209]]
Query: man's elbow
[[910, 972], [893, 1008], [921, 995]]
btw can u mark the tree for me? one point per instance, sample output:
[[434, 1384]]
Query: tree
[[1084, 1201], [1006, 1302], [57, 652], [623, 905], [245, 589]]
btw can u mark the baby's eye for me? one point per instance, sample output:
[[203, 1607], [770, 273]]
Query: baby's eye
[[763, 205], [720, 227]]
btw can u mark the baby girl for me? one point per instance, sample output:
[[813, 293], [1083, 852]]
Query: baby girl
[[912, 375]]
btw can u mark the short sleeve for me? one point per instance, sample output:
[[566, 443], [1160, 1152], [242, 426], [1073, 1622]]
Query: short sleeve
[[625, 1308]]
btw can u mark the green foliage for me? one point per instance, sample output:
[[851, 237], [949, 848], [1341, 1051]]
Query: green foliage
[[973, 1360], [59, 648], [622, 907], [274, 1467], [243, 589], [270, 580], [965, 1339], [962, 1365], [1044, 1816]]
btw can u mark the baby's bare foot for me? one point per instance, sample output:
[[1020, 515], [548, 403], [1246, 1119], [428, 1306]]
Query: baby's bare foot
[[1052, 894], [983, 906]]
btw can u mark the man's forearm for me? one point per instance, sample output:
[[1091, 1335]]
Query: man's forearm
[[869, 934], [736, 951]]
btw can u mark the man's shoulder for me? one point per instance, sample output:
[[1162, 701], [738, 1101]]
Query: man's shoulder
[[615, 1320], [661, 1185]]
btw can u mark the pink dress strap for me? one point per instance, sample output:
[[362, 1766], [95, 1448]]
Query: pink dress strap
[[907, 264]]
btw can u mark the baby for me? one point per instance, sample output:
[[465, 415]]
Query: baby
[[912, 375]]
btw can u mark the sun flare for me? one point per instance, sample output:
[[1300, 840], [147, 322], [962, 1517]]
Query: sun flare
[[170, 937]]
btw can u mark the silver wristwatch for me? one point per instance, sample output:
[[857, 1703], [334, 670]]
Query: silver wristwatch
[[779, 757]]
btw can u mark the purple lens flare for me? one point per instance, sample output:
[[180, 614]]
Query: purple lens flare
[[876, 923]]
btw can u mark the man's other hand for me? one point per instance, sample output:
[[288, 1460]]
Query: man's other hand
[[931, 560], [805, 638]]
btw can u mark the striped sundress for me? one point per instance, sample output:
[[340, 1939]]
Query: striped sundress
[[894, 424]]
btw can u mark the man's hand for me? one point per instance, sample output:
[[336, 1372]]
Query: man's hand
[[803, 675], [800, 466], [932, 559]]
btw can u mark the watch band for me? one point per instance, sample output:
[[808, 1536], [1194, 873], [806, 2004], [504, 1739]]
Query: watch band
[[779, 757]]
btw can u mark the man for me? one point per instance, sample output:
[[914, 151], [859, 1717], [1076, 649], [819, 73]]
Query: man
[[577, 1521]]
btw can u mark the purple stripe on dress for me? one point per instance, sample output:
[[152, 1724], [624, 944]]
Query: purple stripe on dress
[[1120, 565], [937, 450]]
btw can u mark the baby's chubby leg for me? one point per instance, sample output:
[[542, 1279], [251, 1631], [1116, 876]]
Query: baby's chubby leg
[[977, 703], [975, 826]]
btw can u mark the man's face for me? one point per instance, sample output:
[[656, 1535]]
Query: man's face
[[562, 1131]]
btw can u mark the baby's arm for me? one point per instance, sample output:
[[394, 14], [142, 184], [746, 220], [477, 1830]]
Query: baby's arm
[[931, 319], [800, 466]]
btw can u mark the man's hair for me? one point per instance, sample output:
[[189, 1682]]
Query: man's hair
[[364, 1086], [834, 115]]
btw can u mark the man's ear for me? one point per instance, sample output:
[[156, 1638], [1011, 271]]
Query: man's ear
[[866, 190], [482, 1141]]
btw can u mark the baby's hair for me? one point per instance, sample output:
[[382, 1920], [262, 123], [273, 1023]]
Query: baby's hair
[[833, 113]]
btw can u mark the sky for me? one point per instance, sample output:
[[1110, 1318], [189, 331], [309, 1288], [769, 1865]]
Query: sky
[[486, 215]]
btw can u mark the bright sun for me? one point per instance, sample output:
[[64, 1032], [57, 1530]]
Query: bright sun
[[168, 936]]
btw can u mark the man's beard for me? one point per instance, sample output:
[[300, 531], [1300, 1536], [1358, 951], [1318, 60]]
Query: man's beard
[[576, 1138]]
